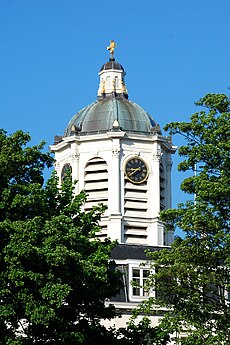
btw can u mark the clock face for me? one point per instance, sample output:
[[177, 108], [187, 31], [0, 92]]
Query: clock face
[[136, 170]]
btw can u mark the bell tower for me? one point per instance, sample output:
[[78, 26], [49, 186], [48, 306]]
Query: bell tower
[[119, 156]]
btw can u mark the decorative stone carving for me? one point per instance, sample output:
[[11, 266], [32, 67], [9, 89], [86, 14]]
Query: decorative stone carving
[[137, 154], [157, 155], [57, 166], [116, 151], [75, 157]]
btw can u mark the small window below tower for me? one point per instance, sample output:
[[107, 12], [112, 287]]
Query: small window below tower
[[138, 278]]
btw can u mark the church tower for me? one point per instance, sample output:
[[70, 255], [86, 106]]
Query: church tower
[[119, 156]]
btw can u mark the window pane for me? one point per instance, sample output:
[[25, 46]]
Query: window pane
[[136, 281], [136, 291], [145, 273], [136, 287], [145, 291], [136, 272]]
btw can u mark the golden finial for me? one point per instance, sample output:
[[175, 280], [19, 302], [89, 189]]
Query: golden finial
[[111, 48]]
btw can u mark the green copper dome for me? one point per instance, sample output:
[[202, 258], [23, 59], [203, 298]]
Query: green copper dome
[[107, 113]]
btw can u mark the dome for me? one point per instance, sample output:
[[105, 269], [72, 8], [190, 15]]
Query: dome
[[112, 64], [112, 110], [100, 115]]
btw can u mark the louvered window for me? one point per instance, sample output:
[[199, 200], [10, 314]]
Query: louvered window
[[135, 234], [135, 199], [96, 183], [103, 234]]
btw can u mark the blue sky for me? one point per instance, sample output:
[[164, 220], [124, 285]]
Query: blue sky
[[174, 52]]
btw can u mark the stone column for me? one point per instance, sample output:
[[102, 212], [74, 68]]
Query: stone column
[[114, 226], [116, 202], [155, 229], [75, 166], [154, 188], [168, 191]]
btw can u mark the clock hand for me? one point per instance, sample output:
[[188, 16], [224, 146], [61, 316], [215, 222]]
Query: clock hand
[[134, 171]]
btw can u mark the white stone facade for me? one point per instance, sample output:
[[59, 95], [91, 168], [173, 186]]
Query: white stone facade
[[133, 210]]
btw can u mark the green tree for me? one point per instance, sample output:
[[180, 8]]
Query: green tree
[[142, 333], [193, 278], [54, 273]]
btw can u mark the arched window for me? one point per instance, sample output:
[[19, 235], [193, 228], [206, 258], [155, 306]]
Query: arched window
[[108, 81], [116, 82], [66, 171]]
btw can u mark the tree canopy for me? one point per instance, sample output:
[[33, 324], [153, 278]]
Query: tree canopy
[[55, 274], [193, 278]]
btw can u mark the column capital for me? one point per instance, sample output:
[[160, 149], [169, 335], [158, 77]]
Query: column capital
[[116, 151], [57, 166], [75, 157], [157, 156]]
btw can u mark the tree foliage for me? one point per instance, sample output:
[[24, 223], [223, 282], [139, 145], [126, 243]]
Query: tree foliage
[[54, 274], [142, 333], [193, 278]]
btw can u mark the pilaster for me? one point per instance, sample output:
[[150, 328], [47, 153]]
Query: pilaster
[[114, 226], [74, 161], [154, 182]]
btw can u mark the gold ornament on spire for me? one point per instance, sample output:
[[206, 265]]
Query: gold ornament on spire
[[123, 87], [111, 48]]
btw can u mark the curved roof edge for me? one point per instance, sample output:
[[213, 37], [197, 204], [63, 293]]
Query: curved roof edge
[[100, 115]]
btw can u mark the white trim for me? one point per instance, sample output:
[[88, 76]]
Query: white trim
[[138, 265]]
